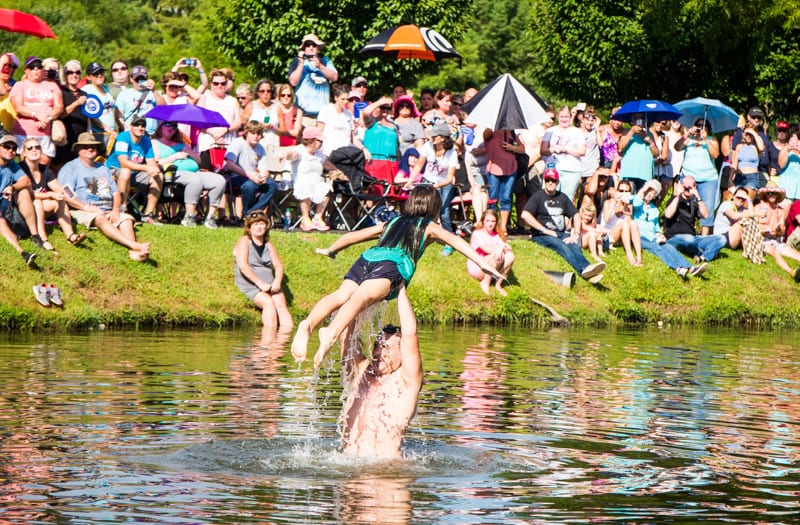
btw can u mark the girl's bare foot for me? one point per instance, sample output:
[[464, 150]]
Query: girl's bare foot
[[137, 256], [485, 286], [500, 290], [325, 344], [300, 341]]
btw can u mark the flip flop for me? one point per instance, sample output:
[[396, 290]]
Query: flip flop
[[76, 238]]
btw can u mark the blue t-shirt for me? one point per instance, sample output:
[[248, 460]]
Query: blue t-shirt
[[127, 101], [91, 184], [10, 173], [137, 153], [314, 90]]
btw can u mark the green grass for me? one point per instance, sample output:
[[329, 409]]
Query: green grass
[[189, 282]]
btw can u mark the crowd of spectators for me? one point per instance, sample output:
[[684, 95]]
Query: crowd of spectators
[[573, 183]]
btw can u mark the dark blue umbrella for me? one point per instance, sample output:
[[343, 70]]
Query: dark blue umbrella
[[652, 110], [188, 114]]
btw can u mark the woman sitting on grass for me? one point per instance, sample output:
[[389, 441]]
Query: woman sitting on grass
[[258, 272], [592, 234], [618, 220], [772, 223], [382, 269]]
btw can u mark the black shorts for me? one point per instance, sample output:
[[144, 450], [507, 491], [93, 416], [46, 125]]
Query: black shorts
[[363, 270]]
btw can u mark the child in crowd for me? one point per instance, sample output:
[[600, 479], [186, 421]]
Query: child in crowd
[[617, 219], [592, 234], [381, 270], [258, 272]]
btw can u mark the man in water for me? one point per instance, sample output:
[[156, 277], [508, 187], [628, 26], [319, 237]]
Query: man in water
[[382, 392]]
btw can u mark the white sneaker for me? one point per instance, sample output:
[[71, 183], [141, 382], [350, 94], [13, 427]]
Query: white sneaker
[[40, 292], [592, 270], [694, 271], [210, 223], [190, 221]]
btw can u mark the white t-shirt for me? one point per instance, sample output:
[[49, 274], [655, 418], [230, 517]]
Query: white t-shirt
[[338, 129], [227, 107], [571, 138], [437, 167]]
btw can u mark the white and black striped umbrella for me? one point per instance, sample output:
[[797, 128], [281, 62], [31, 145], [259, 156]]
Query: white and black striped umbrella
[[505, 104]]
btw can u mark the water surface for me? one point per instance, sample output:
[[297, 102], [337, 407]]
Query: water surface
[[513, 426]]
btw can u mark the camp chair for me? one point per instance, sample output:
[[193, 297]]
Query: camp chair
[[357, 196]]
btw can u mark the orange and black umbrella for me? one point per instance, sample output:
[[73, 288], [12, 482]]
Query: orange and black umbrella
[[18, 22], [410, 41]]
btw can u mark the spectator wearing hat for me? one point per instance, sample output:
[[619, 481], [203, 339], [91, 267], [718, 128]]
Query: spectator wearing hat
[[8, 65], [311, 75], [110, 121], [771, 218], [37, 104], [91, 192], [16, 192], [359, 88], [645, 214], [779, 144], [406, 118], [75, 122], [789, 165], [138, 99], [550, 213], [133, 162], [308, 162], [755, 120]]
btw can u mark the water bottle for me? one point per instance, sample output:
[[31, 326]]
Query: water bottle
[[287, 219]]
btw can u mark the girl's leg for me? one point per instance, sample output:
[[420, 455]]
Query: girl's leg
[[735, 236], [269, 316], [285, 321], [636, 240], [324, 307], [368, 293], [5, 231]]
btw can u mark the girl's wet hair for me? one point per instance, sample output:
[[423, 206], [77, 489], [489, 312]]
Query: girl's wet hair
[[423, 201]]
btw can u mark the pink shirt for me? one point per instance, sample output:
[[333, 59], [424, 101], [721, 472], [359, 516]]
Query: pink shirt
[[38, 97], [481, 240], [500, 162]]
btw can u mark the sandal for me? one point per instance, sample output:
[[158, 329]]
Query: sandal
[[76, 238]]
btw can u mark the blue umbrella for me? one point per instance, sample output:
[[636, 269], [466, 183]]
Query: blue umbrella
[[188, 114], [652, 110], [720, 116]]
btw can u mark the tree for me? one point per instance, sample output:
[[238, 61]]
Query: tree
[[265, 34]]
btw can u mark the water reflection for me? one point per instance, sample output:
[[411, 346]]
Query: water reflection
[[513, 427]]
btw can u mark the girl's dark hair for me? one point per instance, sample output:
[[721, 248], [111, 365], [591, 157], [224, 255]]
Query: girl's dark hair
[[339, 89], [408, 231], [269, 83]]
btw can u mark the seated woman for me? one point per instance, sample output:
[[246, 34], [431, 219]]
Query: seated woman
[[730, 213], [617, 219], [171, 148], [258, 272], [645, 213], [772, 224], [492, 246], [48, 197], [591, 234]]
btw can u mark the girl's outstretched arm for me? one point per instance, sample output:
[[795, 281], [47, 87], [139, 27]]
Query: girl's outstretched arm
[[350, 238]]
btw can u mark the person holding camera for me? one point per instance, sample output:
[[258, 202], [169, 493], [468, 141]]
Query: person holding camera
[[638, 150], [700, 150], [138, 99], [683, 210], [37, 103], [193, 63], [311, 75]]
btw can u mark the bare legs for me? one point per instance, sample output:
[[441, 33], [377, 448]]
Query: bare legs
[[274, 312]]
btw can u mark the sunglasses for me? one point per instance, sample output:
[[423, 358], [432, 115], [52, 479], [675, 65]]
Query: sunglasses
[[68, 72], [264, 91], [89, 147], [401, 106], [551, 180], [138, 125], [224, 82], [310, 44], [386, 108], [172, 125], [173, 86], [32, 148], [118, 69], [9, 146], [286, 95], [242, 97], [257, 215], [361, 85], [35, 66], [457, 104]]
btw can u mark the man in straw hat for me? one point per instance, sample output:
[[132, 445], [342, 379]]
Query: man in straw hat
[[771, 219], [91, 192], [311, 74]]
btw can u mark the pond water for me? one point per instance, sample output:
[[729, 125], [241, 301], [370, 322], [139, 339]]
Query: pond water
[[514, 426]]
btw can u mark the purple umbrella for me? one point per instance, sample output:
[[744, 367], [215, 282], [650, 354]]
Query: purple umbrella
[[188, 114]]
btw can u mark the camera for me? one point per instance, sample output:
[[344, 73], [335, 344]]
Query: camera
[[638, 122], [191, 62], [308, 57], [696, 130], [52, 74], [465, 229]]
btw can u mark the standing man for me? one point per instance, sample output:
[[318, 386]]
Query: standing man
[[382, 389], [311, 75], [133, 161], [550, 213], [139, 99]]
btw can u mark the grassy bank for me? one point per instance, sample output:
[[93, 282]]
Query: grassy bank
[[189, 283]]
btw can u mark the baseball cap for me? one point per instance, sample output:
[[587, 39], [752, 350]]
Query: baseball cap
[[358, 80], [94, 68], [138, 119], [551, 174], [312, 133], [139, 72], [354, 94], [783, 124], [32, 60], [13, 58], [440, 130], [9, 139], [756, 112]]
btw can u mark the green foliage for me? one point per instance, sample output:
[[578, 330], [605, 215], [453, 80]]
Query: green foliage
[[265, 34]]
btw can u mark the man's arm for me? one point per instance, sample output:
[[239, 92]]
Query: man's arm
[[409, 342]]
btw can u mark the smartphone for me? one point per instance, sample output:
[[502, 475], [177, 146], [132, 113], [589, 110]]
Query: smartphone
[[638, 122]]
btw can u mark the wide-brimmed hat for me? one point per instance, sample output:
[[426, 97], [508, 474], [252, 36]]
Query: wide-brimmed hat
[[86, 139], [771, 189], [408, 100], [652, 184], [311, 37]]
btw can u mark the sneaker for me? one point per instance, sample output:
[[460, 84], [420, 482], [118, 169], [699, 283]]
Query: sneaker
[[28, 258], [694, 271], [37, 241], [596, 279], [54, 294], [447, 250], [592, 270], [210, 223], [40, 292], [683, 272], [306, 225], [320, 225], [190, 221], [151, 219]]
